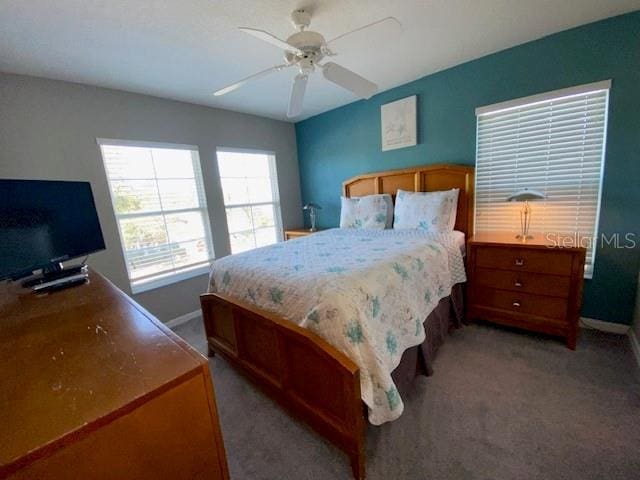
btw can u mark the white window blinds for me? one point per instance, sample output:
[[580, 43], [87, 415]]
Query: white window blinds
[[158, 199], [554, 143]]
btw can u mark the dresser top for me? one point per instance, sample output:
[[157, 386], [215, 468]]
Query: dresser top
[[77, 357], [544, 240]]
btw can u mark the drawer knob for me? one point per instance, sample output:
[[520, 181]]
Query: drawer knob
[[516, 304], [518, 284], [519, 262]]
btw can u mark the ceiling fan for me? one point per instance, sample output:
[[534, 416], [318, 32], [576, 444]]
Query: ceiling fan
[[305, 50]]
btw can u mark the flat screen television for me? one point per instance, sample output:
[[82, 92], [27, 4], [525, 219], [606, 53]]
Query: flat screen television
[[44, 223]]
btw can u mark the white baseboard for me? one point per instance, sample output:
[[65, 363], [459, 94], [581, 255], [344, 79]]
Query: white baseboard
[[609, 327], [174, 322], [635, 345]]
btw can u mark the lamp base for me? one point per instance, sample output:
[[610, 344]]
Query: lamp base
[[524, 238], [525, 221]]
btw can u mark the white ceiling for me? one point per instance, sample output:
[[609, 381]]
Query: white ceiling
[[186, 49]]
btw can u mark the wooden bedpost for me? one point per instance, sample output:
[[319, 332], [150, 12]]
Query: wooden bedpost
[[358, 464], [315, 382]]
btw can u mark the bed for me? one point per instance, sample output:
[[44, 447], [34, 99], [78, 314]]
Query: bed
[[333, 324]]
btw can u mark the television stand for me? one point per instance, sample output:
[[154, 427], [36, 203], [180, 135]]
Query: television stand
[[55, 276]]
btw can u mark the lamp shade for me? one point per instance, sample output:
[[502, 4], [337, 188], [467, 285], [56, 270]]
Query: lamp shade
[[524, 195]]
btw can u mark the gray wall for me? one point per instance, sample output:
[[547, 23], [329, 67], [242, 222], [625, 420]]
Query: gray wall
[[48, 130]]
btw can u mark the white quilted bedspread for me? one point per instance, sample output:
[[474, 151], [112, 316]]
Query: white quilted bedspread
[[366, 292]]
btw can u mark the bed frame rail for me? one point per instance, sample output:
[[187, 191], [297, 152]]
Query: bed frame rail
[[311, 379]]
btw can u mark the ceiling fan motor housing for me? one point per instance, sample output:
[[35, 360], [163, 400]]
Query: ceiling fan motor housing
[[306, 41], [311, 45]]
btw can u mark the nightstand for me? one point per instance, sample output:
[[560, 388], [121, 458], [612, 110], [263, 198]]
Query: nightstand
[[535, 285], [298, 232]]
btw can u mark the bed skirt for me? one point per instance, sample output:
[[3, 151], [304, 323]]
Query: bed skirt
[[418, 360]]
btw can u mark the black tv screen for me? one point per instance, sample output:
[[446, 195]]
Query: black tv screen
[[44, 223]]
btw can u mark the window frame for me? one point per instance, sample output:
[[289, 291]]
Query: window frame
[[167, 277], [275, 188], [554, 95]]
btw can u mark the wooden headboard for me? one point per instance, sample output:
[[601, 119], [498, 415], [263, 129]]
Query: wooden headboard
[[428, 178]]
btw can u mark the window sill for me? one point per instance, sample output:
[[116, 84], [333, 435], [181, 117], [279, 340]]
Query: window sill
[[168, 279]]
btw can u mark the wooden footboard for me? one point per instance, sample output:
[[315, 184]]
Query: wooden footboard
[[307, 376]]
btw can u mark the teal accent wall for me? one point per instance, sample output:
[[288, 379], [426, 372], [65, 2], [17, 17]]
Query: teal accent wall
[[344, 142]]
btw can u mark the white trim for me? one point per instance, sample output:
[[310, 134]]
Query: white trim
[[246, 150], [155, 213], [140, 143], [168, 279], [244, 205], [175, 322], [609, 327], [544, 97], [635, 345], [589, 269]]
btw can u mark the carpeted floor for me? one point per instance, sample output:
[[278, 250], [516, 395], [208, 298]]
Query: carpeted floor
[[500, 405]]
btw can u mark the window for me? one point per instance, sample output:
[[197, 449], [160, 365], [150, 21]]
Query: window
[[159, 203], [250, 190], [554, 143]]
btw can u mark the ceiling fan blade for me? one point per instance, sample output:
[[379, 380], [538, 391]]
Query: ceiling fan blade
[[345, 78], [272, 39], [298, 87], [386, 20], [235, 86]]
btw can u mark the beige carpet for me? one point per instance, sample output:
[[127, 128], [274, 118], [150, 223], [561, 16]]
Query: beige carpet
[[500, 405]]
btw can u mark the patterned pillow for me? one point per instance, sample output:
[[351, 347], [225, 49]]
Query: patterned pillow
[[371, 211], [431, 211]]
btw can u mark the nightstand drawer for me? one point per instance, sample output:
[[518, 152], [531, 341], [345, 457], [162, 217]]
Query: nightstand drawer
[[525, 303], [535, 283], [527, 260]]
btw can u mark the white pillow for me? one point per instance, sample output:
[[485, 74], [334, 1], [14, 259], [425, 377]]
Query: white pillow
[[431, 211], [371, 211]]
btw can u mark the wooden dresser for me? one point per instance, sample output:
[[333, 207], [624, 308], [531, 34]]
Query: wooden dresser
[[93, 386], [534, 285]]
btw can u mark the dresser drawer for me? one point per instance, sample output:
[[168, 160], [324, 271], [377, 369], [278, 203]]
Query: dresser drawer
[[524, 303], [527, 260], [527, 282]]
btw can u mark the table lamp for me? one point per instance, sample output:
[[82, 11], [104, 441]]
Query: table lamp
[[312, 207], [525, 195]]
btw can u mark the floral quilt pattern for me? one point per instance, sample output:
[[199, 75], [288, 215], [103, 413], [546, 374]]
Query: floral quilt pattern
[[366, 292]]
